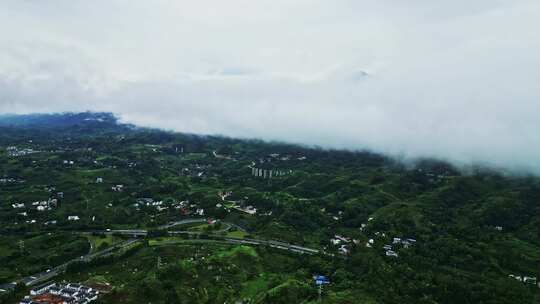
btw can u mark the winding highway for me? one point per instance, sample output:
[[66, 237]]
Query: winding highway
[[50, 273], [136, 234]]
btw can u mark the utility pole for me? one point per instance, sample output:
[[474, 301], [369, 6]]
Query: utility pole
[[21, 246], [320, 281]]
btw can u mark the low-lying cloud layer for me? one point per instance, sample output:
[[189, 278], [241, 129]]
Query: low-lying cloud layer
[[457, 79]]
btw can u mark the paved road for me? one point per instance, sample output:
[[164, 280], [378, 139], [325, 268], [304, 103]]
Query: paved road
[[183, 222], [46, 275], [247, 241], [251, 241], [142, 232]]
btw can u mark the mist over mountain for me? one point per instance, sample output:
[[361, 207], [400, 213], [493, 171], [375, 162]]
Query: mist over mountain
[[455, 81]]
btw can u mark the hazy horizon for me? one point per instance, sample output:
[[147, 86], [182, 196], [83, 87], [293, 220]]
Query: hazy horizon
[[455, 81]]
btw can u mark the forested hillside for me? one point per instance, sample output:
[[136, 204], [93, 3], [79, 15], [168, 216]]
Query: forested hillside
[[384, 231]]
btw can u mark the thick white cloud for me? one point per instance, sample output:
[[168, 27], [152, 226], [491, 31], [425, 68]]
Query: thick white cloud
[[452, 79]]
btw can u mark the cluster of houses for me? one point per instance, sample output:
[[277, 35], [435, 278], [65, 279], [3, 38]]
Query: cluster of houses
[[405, 243], [239, 205], [39, 205], [435, 178], [525, 279], [389, 249], [264, 173], [343, 243], [184, 207], [187, 208], [10, 180], [42, 206], [68, 162], [149, 202], [197, 170], [15, 152], [277, 156], [55, 293]]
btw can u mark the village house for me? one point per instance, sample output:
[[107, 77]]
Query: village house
[[343, 249], [71, 293], [73, 218], [362, 227], [370, 243], [41, 288], [391, 253], [342, 238], [529, 280], [250, 210], [525, 279], [117, 188]]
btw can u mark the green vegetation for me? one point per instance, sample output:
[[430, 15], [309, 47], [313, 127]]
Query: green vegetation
[[100, 242], [471, 229], [25, 255]]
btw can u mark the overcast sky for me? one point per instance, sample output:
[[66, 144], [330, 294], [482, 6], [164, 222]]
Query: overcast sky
[[459, 79]]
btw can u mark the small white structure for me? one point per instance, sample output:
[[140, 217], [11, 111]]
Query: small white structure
[[41, 288], [73, 218], [342, 238], [250, 210], [99, 180], [117, 188], [391, 253], [370, 243]]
